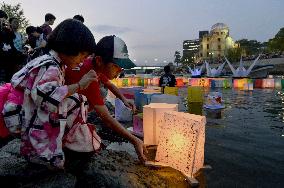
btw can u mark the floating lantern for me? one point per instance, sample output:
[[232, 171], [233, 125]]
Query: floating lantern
[[181, 142], [195, 94], [138, 123], [268, 83], [155, 81], [239, 83], [227, 83], [140, 81], [258, 83], [248, 87], [122, 113], [134, 81], [193, 82], [277, 83], [125, 82], [153, 116], [171, 90], [214, 101], [179, 82], [203, 82]]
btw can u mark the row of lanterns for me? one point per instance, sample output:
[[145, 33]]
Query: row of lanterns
[[244, 83]]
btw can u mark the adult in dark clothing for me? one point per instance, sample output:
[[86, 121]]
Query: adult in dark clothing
[[10, 57], [49, 20], [167, 79]]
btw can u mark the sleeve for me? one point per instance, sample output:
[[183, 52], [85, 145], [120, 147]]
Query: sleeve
[[103, 78], [48, 91]]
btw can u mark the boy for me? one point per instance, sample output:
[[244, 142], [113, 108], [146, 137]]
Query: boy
[[49, 20], [111, 57]]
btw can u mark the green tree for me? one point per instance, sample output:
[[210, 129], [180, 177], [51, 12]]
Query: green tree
[[177, 57], [277, 43], [234, 54], [251, 47], [17, 12]]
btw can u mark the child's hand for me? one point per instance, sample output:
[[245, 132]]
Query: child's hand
[[130, 104], [87, 79], [140, 149]]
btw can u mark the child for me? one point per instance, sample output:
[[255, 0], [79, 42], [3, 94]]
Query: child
[[47, 108], [111, 57]]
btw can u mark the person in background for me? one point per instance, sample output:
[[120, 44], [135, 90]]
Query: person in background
[[111, 56], [49, 20], [37, 41], [79, 18], [167, 79]]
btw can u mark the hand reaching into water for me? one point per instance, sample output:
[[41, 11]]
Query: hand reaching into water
[[140, 149]]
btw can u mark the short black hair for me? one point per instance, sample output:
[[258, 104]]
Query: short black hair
[[104, 48], [71, 37], [49, 17], [3, 14], [79, 17], [167, 69], [39, 30], [30, 30]]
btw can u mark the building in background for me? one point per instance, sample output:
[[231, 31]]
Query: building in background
[[214, 45], [190, 48]]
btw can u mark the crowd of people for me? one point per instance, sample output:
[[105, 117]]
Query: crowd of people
[[49, 95]]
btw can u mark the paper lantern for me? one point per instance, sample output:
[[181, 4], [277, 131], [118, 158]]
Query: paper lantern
[[214, 101], [195, 108], [138, 123], [227, 83], [119, 82], [153, 116], [171, 90], [125, 82], [155, 81], [195, 94], [134, 81], [268, 83], [193, 82], [277, 83], [203, 82], [258, 83], [239, 83], [140, 81], [122, 113], [248, 87], [179, 82], [181, 142], [146, 82]]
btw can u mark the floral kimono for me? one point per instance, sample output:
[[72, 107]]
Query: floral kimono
[[48, 113]]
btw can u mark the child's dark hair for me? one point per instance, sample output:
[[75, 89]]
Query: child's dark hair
[[105, 49], [167, 69], [3, 14], [49, 17], [71, 37], [79, 17], [30, 30], [39, 30]]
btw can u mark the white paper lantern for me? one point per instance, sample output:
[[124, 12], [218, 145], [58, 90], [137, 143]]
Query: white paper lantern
[[153, 116], [181, 142]]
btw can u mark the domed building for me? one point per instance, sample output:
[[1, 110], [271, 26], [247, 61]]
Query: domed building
[[216, 44]]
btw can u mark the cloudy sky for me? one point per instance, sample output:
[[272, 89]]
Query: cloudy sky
[[155, 29]]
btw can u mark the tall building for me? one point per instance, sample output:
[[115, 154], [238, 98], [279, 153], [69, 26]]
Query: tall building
[[190, 48], [215, 44]]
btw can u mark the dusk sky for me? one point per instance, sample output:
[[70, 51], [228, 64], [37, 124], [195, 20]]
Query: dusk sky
[[155, 29]]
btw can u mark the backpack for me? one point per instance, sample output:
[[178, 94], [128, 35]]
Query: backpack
[[4, 92]]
